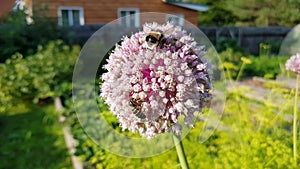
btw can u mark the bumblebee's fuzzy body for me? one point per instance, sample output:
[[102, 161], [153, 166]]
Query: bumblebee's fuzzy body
[[153, 39]]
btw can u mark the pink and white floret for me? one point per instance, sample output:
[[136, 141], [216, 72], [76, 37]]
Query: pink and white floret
[[148, 86]]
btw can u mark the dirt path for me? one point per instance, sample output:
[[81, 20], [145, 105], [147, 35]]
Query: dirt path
[[275, 95], [70, 142]]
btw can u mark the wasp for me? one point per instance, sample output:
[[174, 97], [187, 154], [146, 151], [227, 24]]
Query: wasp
[[153, 39], [137, 107]]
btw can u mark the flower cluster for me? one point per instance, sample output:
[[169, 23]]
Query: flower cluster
[[293, 64], [148, 87]]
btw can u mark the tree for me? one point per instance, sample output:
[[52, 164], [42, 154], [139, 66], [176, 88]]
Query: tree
[[46, 74], [218, 14], [250, 13], [265, 12], [21, 37]]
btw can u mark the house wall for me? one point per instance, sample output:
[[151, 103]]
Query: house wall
[[104, 11]]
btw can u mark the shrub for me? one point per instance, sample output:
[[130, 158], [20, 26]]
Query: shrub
[[48, 73], [23, 38], [223, 43], [231, 61], [265, 66]]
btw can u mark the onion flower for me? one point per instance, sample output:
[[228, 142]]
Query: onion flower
[[155, 76], [293, 63]]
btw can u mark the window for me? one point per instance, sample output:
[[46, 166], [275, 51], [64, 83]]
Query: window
[[69, 16], [175, 19], [129, 17]]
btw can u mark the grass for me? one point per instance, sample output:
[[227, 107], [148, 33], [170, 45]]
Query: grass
[[32, 138]]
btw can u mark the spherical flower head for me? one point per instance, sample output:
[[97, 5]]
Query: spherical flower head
[[293, 64], [154, 77]]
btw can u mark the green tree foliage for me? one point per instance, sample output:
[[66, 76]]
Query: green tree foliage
[[265, 12], [48, 73], [250, 13], [20, 37], [218, 14]]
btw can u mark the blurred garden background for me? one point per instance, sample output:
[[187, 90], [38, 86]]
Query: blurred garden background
[[37, 57]]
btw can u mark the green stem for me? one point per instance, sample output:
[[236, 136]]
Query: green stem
[[295, 122], [228, 75], [180, 152], [240, 72]]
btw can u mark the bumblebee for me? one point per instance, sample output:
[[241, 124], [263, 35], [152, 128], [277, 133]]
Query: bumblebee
[[137, 107], [153, 39]]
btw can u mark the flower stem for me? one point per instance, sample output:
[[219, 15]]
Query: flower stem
[[180, 152], [295, 122], [240, 72], [228, 75]]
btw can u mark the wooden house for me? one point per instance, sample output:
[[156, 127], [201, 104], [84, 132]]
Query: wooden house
[[81, 12]]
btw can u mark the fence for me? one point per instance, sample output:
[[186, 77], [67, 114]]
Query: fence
[[247, 37]]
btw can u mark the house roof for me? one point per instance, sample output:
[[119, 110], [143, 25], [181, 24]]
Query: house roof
[[193, 6]]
